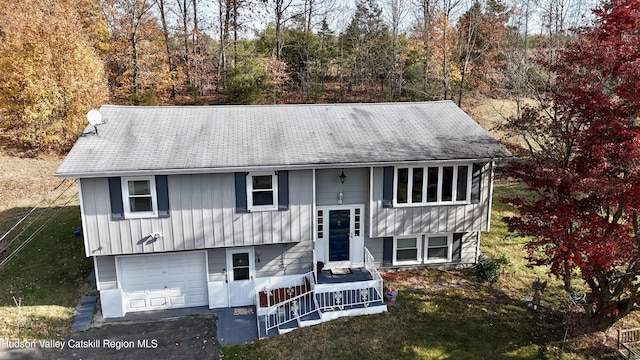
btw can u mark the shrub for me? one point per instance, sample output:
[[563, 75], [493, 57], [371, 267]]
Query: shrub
[[245, 83], [488, 269]]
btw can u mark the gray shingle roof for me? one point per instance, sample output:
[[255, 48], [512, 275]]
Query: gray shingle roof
[[219, 138]]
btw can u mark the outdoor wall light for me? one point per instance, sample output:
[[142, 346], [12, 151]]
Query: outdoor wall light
[[340, 198], [342, 177]]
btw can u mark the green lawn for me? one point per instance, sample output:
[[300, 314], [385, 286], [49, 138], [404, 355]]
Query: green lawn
[[438, 315], [447, 315], [49, 275]]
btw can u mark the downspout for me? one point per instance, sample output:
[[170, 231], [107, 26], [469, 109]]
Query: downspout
[[85, 236], [490, 201], [370, 212], [477, 246], [490, 195], [314, 220]]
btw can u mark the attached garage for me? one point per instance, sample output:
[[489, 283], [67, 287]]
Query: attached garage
[[163, 281]]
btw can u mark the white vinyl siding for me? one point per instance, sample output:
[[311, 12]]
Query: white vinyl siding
[[202, 216]]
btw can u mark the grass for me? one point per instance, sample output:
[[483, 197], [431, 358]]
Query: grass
[[49, 276], [438, 315], [428, 322]]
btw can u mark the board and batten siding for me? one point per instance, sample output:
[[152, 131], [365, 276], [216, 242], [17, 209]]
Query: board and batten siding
[[297, 258], [431, 219], [284, 259], [202, 215]]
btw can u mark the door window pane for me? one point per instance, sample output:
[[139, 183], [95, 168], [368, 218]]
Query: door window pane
[[241, 274], [240, 259], [241, 266], [320, 223]]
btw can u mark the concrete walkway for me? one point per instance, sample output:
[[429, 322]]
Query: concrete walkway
[[237, 325]]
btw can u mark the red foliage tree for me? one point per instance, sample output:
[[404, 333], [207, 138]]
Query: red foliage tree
[[584, 164]]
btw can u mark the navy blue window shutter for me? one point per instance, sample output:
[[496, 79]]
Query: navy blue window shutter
[[241, 192], [162, 190], [457, 246], [387, 251], [387, 187], [476, 183], [283, 190], [115, 197]]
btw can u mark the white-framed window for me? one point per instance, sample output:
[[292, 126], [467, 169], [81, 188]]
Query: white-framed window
[[262, 191], [438, 248], [432, 185], [407, 250], [139, 197]]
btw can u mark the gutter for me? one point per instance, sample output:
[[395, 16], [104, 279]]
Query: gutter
[[231, 169]]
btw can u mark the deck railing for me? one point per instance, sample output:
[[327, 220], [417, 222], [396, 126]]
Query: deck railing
[[351, 295], [287, 301], [375, 274]]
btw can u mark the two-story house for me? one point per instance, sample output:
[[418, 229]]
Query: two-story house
[[292, 208]]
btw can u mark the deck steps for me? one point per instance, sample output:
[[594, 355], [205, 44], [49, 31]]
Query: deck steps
[[353, 293]]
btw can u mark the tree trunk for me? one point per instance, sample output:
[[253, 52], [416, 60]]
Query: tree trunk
[[185, 35], [426, 13], [198, 78], [165, 30]]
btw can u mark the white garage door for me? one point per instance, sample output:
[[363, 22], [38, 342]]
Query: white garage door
[[164, 281]]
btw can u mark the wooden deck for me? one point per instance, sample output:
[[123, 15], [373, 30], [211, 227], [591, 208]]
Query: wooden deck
[[356, 275]]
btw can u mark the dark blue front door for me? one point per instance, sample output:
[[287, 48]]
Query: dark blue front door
[[339, 234]]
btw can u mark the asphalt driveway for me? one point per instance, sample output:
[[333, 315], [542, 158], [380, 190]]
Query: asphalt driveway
[[190, 337]]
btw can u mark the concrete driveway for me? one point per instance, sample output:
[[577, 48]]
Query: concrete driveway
[[190, 337]]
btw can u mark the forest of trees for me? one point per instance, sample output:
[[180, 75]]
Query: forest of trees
[[60, 58]]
